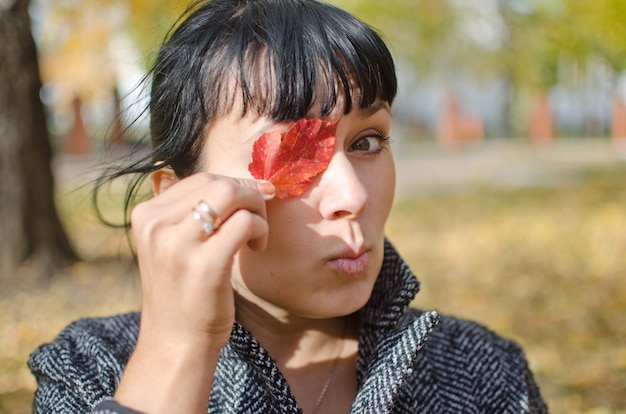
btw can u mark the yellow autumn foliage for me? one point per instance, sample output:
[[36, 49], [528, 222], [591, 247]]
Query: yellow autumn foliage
[[544, 267]]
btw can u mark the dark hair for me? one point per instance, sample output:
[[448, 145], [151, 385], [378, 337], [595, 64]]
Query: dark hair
[[279, 56]]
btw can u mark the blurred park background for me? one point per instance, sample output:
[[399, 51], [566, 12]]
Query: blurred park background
[[510, 139]]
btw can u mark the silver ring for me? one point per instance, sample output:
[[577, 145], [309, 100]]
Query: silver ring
[[207, 217]]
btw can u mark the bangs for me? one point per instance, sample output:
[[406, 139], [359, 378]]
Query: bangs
[[276, 58], [293, 61]]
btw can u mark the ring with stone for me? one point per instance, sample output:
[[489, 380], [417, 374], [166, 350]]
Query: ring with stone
[[207, 217]]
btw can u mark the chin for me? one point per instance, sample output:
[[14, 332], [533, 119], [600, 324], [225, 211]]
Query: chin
[[343, 301]]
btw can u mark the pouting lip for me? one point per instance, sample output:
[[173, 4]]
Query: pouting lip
[[350, 254], [351, 264]]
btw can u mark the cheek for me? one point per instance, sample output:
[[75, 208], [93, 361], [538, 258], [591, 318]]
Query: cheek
[[382, 189], [290, 241], [289, 224], [391, 184], [231, 162]]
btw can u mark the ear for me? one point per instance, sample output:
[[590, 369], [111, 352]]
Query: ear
[[162, 179]]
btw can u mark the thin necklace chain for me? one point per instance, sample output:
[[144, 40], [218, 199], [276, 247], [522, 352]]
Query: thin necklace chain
[[326, 385], [329, 378]]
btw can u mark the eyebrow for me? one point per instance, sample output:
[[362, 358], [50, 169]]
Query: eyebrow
[[362, 113], [372, 109]]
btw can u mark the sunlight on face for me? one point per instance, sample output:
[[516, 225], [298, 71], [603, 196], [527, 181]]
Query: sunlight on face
[[325, 247]]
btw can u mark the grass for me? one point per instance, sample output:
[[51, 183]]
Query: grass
[[543, 267]]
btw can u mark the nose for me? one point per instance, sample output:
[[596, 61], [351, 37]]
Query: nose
[[343, 193]]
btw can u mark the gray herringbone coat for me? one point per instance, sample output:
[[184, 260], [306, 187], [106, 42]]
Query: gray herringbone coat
[[408, 362]]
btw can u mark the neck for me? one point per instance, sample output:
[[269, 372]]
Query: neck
[[293, 341], [316, 356]]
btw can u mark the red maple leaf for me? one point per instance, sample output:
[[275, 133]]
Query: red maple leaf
[[290, 160]]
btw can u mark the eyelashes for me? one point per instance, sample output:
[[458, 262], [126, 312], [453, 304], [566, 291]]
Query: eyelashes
[[371, 143]]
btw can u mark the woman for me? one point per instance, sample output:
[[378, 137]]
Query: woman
[[258, 304]]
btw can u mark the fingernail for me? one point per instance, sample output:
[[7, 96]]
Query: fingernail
[[267, 189]]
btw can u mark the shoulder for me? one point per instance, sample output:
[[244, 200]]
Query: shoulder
[[488, 371], [455, 335], [83, 364], [116, 334]]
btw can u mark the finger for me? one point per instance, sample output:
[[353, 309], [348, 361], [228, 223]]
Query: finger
[[224, 194], [246, 225], [242, 228], [219, 249], [224, 185], [199, 180], [266, 188]]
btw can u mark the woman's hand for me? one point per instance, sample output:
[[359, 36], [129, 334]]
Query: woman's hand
[[185, 273], [188, 301]]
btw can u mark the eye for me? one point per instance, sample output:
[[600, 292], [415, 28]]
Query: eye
[[373, 143]]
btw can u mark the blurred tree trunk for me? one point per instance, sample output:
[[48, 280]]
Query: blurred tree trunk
[[30, 228]]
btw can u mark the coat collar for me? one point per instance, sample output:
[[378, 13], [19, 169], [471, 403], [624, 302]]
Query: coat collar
[[387, 348], [393, 292]]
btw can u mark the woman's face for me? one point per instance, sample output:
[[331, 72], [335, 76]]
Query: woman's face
[[325, 246]]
